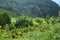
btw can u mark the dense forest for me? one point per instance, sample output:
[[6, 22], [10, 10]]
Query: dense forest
[[29, 20], [32, 8]]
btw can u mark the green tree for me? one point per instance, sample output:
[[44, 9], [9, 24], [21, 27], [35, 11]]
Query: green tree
[[23, 22], [4, 18]]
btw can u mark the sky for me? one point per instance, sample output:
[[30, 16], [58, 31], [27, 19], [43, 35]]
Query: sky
[[57, 1]]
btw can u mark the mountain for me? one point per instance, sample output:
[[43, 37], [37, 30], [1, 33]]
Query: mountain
[[33, 8]]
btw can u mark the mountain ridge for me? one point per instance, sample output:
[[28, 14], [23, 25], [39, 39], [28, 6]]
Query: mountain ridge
[[33, 8]]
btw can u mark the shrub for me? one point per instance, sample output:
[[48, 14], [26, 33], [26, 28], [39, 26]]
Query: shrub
[[9, 27], [4, 18], [23, 22]]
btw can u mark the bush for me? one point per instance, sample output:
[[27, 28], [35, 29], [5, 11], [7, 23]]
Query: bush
[[23, 22], [9, 27], [4, 18]]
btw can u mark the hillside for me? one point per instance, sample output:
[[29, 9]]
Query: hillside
[[33, 8], [28, 22], [25, 29]]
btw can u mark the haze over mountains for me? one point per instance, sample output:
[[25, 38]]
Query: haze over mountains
[[57, 1], [33, 8]]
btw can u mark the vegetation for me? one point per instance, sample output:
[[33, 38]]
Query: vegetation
[[28, 28], [36, 8], [23, 22], [29, 20], [4, 18]]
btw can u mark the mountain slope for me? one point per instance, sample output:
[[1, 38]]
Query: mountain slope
[[33, 8]]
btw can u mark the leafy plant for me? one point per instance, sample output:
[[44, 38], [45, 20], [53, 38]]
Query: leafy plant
[[4, 19], [23, 22]]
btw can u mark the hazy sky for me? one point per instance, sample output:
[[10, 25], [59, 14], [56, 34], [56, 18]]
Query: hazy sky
[[57, 1]]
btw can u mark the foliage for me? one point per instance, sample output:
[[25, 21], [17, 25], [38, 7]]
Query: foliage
[[42, 29], [23, 22], [37, 8], [9, 27], [4, 18]]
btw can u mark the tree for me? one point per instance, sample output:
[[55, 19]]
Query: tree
[[4, 18], [23, 22]]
